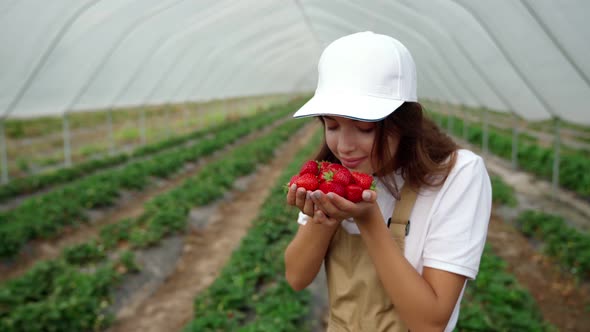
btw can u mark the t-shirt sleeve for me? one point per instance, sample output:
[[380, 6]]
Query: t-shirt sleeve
[[459, 224]]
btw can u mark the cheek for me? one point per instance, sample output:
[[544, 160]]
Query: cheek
[[331, 140]]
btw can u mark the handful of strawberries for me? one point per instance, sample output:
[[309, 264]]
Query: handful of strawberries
[[333, 178]]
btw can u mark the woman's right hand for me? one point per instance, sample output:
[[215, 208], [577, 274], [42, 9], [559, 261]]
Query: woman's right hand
[[301, 198]]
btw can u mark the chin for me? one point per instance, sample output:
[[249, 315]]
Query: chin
[[365, 169]]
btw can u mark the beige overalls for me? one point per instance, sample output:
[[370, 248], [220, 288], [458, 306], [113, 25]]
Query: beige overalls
[[358, 302]]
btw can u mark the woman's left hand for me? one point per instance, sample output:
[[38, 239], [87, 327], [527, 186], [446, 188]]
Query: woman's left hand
[[330, 207]]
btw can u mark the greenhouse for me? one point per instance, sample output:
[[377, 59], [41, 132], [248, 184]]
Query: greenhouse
[[146, 149]]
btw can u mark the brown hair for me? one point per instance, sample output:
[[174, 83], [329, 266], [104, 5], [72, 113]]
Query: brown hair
[[425, 154]]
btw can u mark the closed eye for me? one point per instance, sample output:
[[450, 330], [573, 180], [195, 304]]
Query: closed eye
[[367, 130]]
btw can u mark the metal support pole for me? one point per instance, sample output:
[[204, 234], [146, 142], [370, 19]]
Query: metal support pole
[[485, 138], [245, 106], [465, 124], [187, 125], [4, 154], [450, 120], [556, 157], [226, 108], [202, 119], [67, 139], [111, 133], [198, 124], [142, 126], [167, 110], [515, 132], [440, 115]]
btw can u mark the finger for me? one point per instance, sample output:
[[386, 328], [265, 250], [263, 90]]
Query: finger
[[300, 197], [339, 202], [291, 194], [369, 196], [320, 217], [323, 203], [309, 206], [325, 219]]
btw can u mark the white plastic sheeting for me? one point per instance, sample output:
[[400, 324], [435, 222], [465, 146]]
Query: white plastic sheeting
[[528, 57]]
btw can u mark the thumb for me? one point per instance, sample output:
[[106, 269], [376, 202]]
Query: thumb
[[369, 196]]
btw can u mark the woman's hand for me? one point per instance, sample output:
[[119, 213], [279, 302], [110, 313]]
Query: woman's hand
[[300, 198], [334, 208]]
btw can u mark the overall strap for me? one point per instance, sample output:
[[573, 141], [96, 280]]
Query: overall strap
[[399, 224]]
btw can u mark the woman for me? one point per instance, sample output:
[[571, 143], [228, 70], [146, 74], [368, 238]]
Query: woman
[[404, 272]]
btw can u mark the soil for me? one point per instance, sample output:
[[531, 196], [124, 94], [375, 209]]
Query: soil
[[206, 249], [128, 205], [563, 301], [160, 298]]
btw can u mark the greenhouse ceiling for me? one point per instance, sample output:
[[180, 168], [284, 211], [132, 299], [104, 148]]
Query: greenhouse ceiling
[[527, 57]]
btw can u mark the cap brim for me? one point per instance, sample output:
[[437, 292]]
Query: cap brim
[[364, 108]]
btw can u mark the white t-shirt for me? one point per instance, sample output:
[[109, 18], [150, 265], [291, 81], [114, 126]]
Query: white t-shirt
[[448, 224]]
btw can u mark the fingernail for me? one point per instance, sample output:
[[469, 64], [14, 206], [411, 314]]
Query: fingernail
[[366, 195], [316, 195], [308, 195], [293, 186]]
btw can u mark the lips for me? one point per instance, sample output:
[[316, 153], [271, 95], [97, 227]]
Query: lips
[[351, 163]]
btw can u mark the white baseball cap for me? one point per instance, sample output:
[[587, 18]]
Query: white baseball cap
[[363, 76]]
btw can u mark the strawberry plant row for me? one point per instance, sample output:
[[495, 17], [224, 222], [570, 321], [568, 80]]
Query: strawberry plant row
[[165, 214], [495, 301], [574, 165], [251, 293], [56, 296], [502, 193], [33, 183], [46, 215], [568, 245]]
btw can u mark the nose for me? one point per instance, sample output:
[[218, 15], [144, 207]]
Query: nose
[[346, 142]]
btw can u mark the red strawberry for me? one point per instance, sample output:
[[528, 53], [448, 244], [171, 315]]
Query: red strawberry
[[337, 174], [287, 186], [325, 176], [293, 179], [342, 176], [354, 193], [307, 181], [311, 167], [363, 180], [333, 187], [336, 167], [324, 165]]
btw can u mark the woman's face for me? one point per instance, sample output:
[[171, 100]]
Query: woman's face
[[351, 141]]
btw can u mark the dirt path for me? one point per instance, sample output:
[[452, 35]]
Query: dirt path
[[563, 302], [534, 193], [128, 205], [206, 251]]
